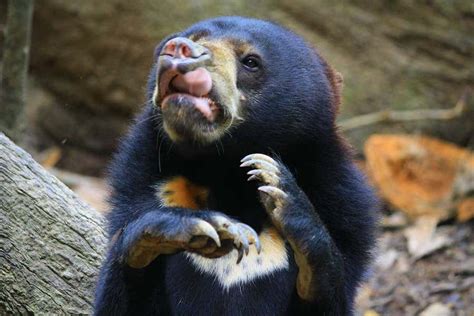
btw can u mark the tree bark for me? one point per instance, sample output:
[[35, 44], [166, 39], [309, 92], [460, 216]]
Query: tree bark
[[15, 66], [51, 243]]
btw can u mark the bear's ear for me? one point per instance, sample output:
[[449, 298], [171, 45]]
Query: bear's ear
[[336, 82], [339, 82]]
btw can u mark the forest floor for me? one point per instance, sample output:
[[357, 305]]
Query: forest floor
[[440, 283]]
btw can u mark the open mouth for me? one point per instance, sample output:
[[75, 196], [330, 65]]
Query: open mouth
[[204, 105], [185, 94]]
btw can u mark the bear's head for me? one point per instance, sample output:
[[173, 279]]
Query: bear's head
[[235, 80]]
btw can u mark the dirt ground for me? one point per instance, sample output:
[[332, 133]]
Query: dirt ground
[[441, 283]]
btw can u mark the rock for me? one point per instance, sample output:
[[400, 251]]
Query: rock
[[418, 175]]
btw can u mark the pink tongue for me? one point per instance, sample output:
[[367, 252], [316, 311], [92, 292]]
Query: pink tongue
[[202, 105], [197, 82]]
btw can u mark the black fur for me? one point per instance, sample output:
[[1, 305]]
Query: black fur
[[289, 115]]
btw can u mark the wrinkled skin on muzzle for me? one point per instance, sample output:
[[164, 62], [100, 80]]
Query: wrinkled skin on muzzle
[[196, 89]]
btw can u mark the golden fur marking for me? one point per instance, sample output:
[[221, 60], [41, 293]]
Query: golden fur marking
[[224, 73], [241, 47], [305, 278], [228, 273], [197, 36], [144, 252], [171, 133], [180, 192]]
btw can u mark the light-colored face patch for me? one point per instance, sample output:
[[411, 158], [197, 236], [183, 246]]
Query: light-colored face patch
[[228, 273], [219, 103], [223, 71], [180, 192]]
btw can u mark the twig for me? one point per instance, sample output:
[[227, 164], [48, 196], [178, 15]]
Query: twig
[[403, 116]]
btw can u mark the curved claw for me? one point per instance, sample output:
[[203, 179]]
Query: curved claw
[[245, 243], [240, 240], [240, 255], [261, 157], [273, 191], [252, 237], [255, 172], [241, 234], [258, 246], [277, 196], [261, 164], [252, 177], [206, 229], [256, 241], [264, 176]]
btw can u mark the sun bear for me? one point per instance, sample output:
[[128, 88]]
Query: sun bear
[[234, 193]]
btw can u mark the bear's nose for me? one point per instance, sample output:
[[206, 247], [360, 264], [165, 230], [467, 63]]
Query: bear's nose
[[182, 48], [182, 68]]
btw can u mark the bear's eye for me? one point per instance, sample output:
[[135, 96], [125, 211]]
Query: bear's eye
[[251, 62]]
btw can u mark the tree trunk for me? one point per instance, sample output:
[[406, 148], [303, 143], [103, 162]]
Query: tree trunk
[[15, 66], [51, 243]]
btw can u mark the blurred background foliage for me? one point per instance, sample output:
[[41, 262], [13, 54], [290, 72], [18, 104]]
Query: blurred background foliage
[[90, 61]]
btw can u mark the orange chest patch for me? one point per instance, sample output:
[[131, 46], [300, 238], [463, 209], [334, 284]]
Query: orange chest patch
[[180, 192]]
